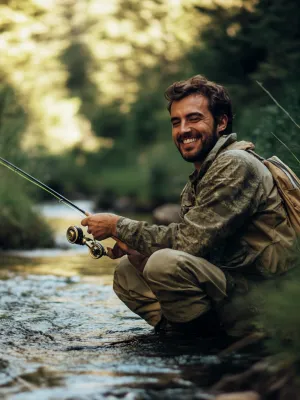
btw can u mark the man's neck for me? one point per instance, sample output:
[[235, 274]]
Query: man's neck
[[197, 165]]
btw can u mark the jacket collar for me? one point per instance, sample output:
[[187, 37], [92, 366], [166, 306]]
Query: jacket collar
[[223, 142]]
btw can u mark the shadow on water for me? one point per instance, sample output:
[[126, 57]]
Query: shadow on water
[[65, 335]]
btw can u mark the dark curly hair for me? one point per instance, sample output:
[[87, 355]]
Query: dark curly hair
[[219, 102]]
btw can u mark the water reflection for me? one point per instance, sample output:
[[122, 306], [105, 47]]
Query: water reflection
[[56, 209]]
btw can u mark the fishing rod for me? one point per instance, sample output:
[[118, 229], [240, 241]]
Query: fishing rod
[[74, 233], [41, 185]]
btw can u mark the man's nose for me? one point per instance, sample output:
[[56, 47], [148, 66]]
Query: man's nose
[[185, 127]]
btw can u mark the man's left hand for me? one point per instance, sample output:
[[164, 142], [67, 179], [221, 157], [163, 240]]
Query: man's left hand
[[102, 225]]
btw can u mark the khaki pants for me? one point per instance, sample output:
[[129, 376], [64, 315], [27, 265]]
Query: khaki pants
[[173, 283]]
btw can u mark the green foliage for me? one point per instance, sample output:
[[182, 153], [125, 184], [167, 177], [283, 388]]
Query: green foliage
[[255, 41], [21, 226], [258, 40], [271, 119], [78, 74], [280, 317], [156, 175], [12, 122]]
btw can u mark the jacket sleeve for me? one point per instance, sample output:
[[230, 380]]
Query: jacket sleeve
[[229, 193]]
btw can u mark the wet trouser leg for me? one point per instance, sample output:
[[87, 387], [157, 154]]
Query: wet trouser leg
[[131, 287], [173, 283]]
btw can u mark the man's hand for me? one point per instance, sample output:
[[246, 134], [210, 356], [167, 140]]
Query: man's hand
[[120, 249], [116, 252], [102, 225]]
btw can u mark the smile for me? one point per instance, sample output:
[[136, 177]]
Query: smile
[[190, 140]]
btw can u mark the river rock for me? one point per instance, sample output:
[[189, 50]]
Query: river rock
[[239, 396], [166, 214], [271, 378]]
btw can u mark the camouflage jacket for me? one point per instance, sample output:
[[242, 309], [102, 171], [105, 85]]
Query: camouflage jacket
[[232, 215]]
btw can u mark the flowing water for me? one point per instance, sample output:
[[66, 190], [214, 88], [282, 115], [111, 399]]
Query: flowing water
[[65, 335]]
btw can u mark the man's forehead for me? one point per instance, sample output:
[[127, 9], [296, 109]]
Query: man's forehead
[[195, 102]]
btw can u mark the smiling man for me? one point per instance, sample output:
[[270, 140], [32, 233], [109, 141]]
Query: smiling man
[[196, 275], [194, 130]]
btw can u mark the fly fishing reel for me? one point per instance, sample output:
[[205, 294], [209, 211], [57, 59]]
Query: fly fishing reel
[[75, 236]]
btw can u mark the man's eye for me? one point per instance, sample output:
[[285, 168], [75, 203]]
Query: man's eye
[[175, 123]]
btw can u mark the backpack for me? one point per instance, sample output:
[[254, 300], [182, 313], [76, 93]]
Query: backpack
[[288, 185]]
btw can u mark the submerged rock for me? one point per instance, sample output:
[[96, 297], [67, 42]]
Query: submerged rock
[[166, 214], [267, 378], [239, 396]]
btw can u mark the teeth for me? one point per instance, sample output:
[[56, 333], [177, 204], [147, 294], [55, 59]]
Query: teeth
[[189, 140]]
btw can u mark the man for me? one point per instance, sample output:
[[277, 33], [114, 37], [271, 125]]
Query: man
[[234, 230]]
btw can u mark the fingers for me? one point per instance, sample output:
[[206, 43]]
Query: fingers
[[110, 254], [100, 225], [84, 222], [115, 252]]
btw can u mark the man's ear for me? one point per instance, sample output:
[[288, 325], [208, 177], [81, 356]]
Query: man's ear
[[222, 125]]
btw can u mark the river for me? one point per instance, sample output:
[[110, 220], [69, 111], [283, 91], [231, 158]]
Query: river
[[65, 334]]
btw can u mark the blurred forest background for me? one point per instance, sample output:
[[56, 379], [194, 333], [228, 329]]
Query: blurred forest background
[[81, 95]]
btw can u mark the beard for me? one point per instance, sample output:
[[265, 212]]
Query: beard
[[207, 144]]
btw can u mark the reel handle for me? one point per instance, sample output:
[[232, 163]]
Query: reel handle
[[75, 236]]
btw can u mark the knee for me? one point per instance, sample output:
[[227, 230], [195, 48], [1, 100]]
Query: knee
[[162, 263]]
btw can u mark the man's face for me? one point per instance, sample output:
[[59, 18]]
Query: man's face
[[194, 130]]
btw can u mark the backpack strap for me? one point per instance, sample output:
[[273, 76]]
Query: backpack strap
[[262, 159]]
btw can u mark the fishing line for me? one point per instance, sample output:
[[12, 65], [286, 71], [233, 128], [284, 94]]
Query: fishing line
[[41, 185]]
